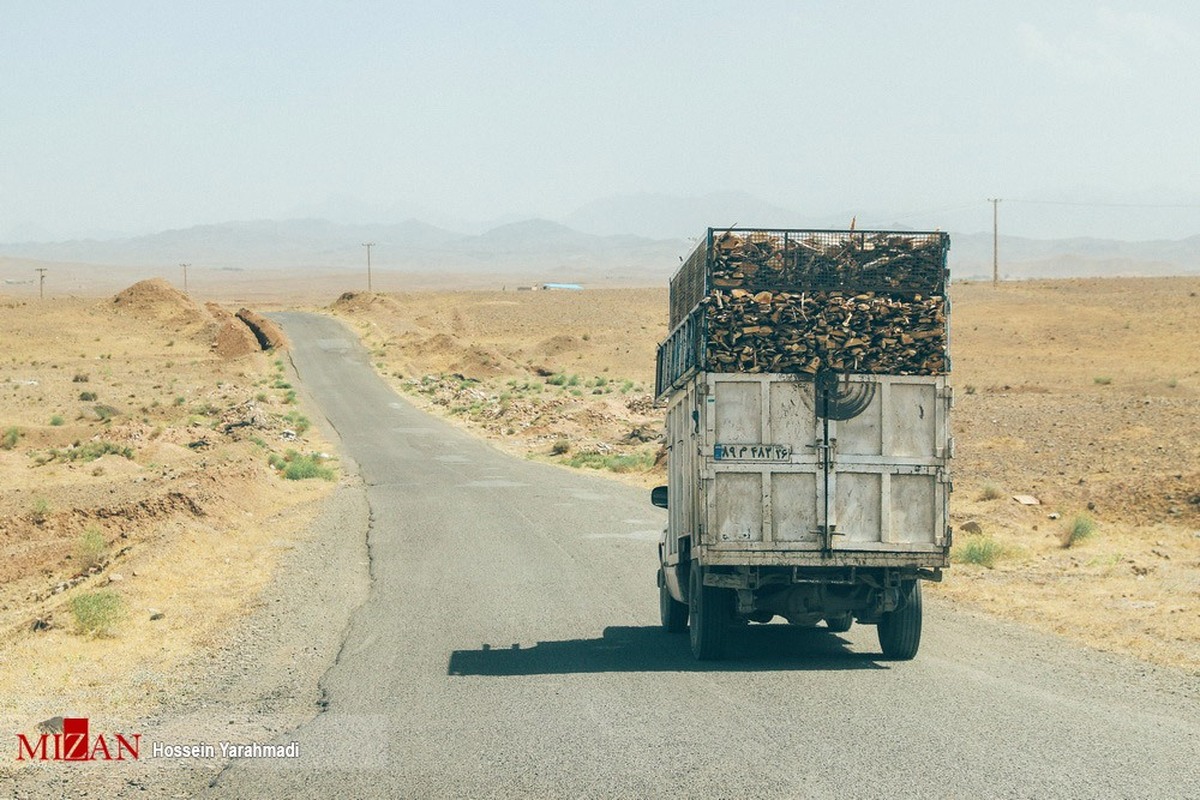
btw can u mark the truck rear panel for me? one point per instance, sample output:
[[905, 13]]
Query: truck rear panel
[[758, 476]]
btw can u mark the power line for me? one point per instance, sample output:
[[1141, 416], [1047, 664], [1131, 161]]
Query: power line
[[1093, 204], [995, 239], [368, 245]]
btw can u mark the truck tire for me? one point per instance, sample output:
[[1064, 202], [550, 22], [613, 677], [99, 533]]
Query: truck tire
[[839, 623], [674, 614], [900, 630], [709, 612]]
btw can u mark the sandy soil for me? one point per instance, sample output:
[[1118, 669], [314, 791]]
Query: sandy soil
[[1083, 393], [136, 437]]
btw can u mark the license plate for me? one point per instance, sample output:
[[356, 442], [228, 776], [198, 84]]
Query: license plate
[[752, 452]]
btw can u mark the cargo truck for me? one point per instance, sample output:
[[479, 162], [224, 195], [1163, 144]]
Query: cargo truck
[[805, 380]]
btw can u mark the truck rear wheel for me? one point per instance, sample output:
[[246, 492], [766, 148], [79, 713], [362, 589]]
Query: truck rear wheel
[[674, 614], [709, 612], [900, 630]]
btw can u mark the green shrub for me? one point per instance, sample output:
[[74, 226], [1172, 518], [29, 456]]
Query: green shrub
[[56, 420], [9, 440], [557, 380], [991, 492], [297, 467], [87, 396], [1102, 380], [560, 447], [305, 467], [90, 548], [1080, 527], [105, 413], [88, 452], [981, 550], [614, 462], [297, 421], [40, 509], [97, 613]]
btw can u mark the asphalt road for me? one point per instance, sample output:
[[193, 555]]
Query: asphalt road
[[509, 646]]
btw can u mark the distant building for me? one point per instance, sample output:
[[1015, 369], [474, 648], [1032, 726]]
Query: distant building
[[574, 287]]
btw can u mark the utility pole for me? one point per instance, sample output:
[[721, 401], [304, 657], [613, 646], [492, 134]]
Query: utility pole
[[41, 271], [995, 201], [368, 245], [185, 266]]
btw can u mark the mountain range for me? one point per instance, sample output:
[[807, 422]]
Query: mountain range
[[639, 238]]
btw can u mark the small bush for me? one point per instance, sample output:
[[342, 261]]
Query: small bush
[[1080, 527], [557, 380], [90, 548], [991, 492], [560, 447], [105, 413], [40, 509], [88, 452], [970, 389], [9, 440], [180, 400], [97, 613], [81, 377], [297, 421], [56, 420], [87, 396], [632, 462], [298, 467], [1102, 380], [981, 550]]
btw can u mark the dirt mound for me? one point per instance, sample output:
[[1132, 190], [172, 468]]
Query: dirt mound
[[557, 345], [269, 334], [156, 299], [233, 339], [351, 302]]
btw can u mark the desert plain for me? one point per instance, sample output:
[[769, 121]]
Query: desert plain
[[146, 457]]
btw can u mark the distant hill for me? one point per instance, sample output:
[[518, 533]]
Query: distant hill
[[971, 257], [562, 251]]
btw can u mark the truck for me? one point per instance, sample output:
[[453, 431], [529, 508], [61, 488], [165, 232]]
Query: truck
[[805, 380]]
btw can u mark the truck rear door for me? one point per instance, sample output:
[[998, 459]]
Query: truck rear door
[[865, 471]]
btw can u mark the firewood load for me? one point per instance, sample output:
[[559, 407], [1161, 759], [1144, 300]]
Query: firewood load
[[807, 331], [790, 301]]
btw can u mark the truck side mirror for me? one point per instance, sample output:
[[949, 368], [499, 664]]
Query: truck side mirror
[[658, 496]]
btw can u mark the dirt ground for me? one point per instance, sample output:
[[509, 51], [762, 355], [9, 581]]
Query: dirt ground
[[136, 432], [1082, 393]]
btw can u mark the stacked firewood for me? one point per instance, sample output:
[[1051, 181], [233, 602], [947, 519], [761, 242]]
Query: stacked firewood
[[793, 332], [825, 260]]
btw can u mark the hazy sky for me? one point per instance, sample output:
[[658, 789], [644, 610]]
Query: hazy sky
[[134, 117]]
